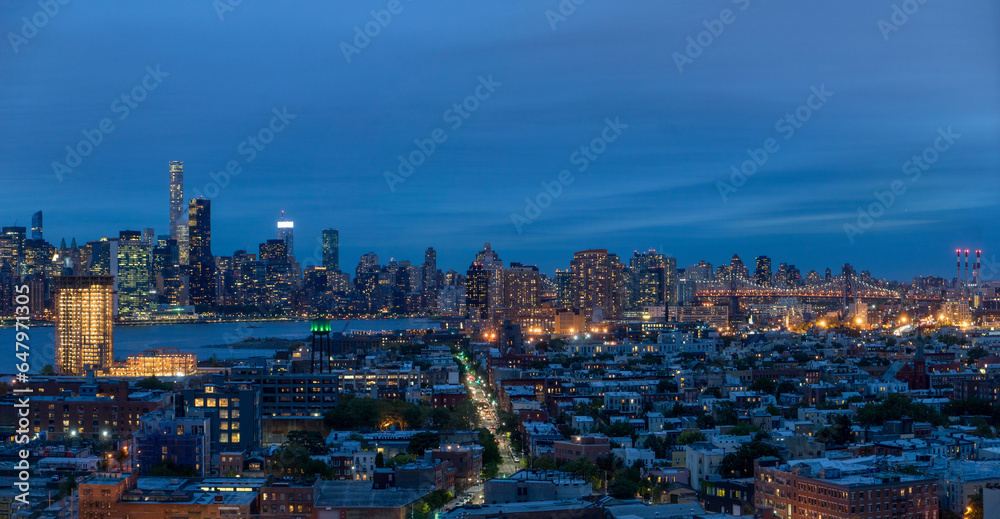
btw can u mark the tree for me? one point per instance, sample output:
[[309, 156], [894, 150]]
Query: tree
[[838, 433], [687, 437], [975, 354], [623, 489], [743, 429], [894, 407], [67, 487], [739, 464], [491, 451], [293, 460], [764, 385], [170, 469], [975, 510], [423, 441], [379, 460], [619, 429], [786, 387], [310, 440], [47, 370], [154, 384], [666, 385]]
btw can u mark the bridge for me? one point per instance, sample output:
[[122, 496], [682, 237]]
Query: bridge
[[845, 288]]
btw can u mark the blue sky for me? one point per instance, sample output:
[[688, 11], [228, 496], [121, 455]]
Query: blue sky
[[655, 186]]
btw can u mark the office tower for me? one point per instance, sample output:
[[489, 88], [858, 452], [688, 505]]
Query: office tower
[[167, 272], [84, 334], [564, 288], [521, 291], [184, 240], [828, 275], [737, 267], [201, 283], [133, 263], [493, 265], [477, 281], [429, 279], [598, 283], [286, 233], [653, 279], [762, 272], [331, 250], [273, 251], [36, 226], [99, 261], [251, 288], [13, 245], [703, 271], [176, 198]]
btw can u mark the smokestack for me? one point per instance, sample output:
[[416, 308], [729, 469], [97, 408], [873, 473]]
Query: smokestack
[[975, 277], [966, 284], [958, 275]]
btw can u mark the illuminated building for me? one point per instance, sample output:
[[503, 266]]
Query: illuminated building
[[521, 287], [158, 362], [597, 283], [823, 488], [132, 272], [286, 233], [202, 283], [331, 249], [762, 272], [176, 197], [476, 290], [167, 272], [84, 324], [36, 226]]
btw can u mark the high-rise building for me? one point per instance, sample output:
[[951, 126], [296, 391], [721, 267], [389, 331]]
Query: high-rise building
[[737, 268], [176, 197], [36, 226], [167, 272], [286, 233], [477, 290], [132, 272], [429, 278], [762, 272], [564, 288], [84, 334], [202, 282], [99, 262], [598, 283], [521, 291], [331, 250], [654, 278], [493, 265], [273, 251], [703, 271]]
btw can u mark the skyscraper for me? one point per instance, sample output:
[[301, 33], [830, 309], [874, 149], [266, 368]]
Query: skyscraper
[[176, 197], [598, 283], [762, 272], [84, 324], [133, 264], [202, 278], [476, 290], [331, 250], [286, 233], [36, 226]]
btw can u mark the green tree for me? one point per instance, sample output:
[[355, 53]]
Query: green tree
[[687, 437], [975, 354], [666, 385], [739, 464], [379, 460], [975, 510], [154, 384], [310, 440], [170, 469], [47, 370], [423, 441], [623, 489], [491, 450], [837, 433], [764, 385], [67, 487], [744, 429]]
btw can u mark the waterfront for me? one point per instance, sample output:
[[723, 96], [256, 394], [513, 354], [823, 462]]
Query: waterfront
[[194, 337]]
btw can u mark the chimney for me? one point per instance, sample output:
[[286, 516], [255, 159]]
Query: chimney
[[958, 275], [975, 277], [966, 284]]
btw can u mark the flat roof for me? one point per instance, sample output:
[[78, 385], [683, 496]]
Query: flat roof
[[360, 494]]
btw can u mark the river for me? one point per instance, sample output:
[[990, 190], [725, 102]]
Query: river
[[190, 338]]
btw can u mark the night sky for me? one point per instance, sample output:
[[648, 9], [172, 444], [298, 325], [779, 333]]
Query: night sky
[[657, 185]]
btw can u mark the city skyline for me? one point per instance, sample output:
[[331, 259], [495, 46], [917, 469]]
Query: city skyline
[[338, 125]]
